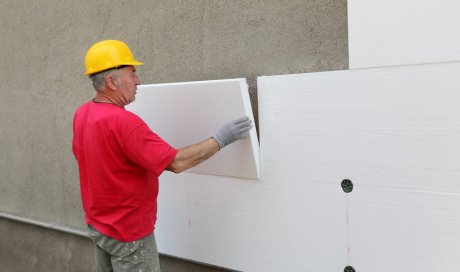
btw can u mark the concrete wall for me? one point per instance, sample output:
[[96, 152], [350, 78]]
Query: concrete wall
[[26, 247], [42, 82]]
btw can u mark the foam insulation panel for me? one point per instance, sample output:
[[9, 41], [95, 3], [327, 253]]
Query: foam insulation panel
[[394, 133], [189, 112], [404, 230], [395, 32], [269, 225]]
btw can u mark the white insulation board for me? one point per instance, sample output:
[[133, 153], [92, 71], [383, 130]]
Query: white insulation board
[[269, 225], [398, 32], [394, 132], [189, 112]]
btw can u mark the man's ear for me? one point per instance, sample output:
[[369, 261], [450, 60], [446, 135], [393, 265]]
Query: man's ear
[[111, 82]]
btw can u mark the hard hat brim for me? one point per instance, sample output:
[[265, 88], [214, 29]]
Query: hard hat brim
[[134, 63]]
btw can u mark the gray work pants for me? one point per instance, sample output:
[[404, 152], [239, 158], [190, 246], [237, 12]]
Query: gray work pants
[[115, 256]]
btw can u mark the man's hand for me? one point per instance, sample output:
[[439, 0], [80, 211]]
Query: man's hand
[[235, 130]]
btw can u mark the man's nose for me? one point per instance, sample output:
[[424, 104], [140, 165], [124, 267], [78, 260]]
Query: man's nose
[[137, 81]]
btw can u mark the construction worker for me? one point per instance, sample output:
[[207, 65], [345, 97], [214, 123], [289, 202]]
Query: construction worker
[[120, 160]]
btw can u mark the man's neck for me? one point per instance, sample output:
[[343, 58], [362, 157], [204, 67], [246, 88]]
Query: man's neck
[[103, 98]]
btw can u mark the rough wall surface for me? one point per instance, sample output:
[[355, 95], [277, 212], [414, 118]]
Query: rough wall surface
[[41, 72], [26, 247]]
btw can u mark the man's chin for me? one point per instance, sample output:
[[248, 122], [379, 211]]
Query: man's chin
[[131, 100]]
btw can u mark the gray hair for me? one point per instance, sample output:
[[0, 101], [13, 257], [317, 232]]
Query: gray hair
[[99, 78]]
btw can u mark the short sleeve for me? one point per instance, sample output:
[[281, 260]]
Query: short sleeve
[[149, 150]]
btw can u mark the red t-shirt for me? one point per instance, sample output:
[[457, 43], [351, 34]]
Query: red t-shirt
[[119, 160]]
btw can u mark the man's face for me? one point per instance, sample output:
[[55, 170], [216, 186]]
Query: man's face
[[127, 84]]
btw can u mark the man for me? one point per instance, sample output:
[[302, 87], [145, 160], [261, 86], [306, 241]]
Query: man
[[120, 160]]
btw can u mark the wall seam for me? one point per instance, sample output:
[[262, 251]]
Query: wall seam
[[35, 222]]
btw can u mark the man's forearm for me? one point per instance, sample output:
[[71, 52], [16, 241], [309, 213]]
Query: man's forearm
[[192, 155]]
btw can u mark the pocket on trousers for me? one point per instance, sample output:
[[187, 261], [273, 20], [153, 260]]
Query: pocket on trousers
[[112, 246]]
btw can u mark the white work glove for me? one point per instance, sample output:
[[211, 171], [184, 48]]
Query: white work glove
[[235, 130]]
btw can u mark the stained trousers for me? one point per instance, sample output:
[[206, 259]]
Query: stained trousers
[[115, 256]]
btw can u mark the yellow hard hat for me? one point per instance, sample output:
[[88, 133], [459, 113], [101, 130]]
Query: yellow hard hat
[[108, 54]]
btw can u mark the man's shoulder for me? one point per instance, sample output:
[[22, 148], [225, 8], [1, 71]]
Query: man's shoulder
[[108, 113], [126, 119], [128, 116]]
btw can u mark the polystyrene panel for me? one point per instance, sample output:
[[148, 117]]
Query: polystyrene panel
[[394, 133], [396, 32], [267, 225], [188, 112], [404, 230]]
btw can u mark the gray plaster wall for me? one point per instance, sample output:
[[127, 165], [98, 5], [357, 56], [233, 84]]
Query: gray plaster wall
[[26, 247], [42, 79]]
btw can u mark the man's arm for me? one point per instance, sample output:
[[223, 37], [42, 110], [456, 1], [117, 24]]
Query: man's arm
[[193, 155]]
